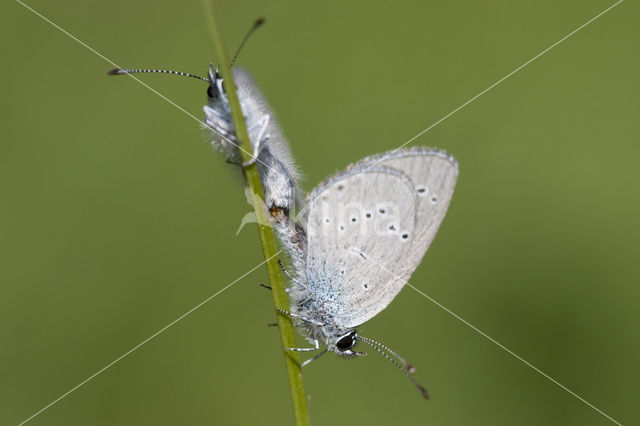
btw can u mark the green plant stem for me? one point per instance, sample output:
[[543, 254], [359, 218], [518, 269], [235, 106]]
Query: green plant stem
[[266, 235]]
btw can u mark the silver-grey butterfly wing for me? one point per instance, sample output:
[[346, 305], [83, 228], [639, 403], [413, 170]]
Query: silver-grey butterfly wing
[[369, 227], [434, 174], [355, 223], [278, 172]]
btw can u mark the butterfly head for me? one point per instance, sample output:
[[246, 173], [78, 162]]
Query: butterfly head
[[216, 89], [344, 343]]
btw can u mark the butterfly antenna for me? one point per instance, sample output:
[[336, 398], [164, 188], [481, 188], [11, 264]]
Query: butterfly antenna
[[121, 71], [253, 28], [405, 371], [410, 368]]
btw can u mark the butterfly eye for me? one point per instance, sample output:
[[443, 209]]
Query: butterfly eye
[[346, 342], [213, 92], [216, 85]]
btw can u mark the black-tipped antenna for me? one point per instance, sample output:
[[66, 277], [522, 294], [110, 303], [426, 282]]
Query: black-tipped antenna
[[410, 368], [406, 372], [121, 71], [253, 28]]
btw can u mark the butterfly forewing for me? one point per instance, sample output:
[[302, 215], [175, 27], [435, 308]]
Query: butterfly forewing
[[369, 227], [433, 174], [355, 227]]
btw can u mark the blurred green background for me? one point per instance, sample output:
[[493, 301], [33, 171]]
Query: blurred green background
[[116, 217]]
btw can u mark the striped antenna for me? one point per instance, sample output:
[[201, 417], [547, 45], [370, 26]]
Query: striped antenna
[[121, 71], [410, 368], [407, 372], [259, 22]]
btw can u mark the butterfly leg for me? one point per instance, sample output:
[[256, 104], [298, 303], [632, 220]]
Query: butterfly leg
[[310, 360], [284, 271], [315, 347], [318, 323], [268, 287], [260, 139]]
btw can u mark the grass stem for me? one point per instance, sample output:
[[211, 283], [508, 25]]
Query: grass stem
[[267, 239]]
